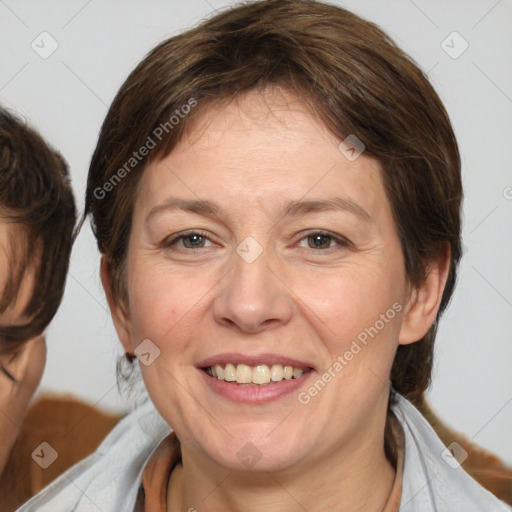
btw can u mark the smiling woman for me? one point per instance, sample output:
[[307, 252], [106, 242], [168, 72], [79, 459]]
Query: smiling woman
[[304, 213]]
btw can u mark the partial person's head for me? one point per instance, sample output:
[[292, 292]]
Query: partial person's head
[[280, 184], [37, 219]]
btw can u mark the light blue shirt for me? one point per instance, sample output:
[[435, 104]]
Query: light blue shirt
[[109, 479]]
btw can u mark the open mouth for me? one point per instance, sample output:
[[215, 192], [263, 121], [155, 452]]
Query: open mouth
[[260, 375]]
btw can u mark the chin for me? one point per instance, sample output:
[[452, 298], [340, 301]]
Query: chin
[[265, 454]]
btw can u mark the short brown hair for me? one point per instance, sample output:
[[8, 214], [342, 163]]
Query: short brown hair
[[347, 70], [36, 197]]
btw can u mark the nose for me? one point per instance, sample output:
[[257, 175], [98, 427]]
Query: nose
[[253, 296]]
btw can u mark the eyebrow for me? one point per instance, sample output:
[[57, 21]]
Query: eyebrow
[[295, 208], [291, 209]]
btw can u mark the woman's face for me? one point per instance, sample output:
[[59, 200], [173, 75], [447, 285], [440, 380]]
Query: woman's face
[[258, 242], [26, 364]]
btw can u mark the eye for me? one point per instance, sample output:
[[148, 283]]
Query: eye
[[321, 240], [191, 240], [8, 374], [317, 241]]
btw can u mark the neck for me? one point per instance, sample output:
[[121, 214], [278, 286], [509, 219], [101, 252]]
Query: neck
[[354, 478]]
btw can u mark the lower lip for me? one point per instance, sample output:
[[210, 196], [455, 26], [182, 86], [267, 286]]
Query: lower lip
[[255, 394]]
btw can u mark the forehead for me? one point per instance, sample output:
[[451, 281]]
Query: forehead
[[266, 145], [14, 294], [7, 232]]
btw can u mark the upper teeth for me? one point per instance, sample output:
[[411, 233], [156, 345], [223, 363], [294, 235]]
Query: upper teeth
[[260, 374]]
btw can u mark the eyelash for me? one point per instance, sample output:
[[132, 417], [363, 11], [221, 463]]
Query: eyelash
[[6, 372], [342, 242]]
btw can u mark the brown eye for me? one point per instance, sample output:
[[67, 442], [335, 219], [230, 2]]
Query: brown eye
[[319, 241]]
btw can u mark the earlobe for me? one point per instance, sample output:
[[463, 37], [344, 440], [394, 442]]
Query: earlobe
[[120, 315], [424, 301]]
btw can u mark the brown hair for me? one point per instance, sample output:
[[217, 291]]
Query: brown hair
[[347, 70], [36, 197]]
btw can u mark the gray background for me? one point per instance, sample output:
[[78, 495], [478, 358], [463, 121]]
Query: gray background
[[66, 96]]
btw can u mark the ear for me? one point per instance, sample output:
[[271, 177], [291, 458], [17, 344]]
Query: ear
[[423, 303], [118, 310]]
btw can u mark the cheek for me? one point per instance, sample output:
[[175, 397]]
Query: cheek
[[357, 308], [163, 304]]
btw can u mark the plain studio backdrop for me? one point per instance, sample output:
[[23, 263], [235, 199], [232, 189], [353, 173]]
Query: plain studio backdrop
[[63, 62]]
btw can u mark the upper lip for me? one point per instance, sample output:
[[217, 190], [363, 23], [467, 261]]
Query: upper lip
[[253, 360]]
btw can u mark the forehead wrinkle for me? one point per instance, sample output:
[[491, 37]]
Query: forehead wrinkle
[[291, 209]]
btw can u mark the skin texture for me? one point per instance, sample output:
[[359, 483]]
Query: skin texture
[[26, 365], [251, 157]]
